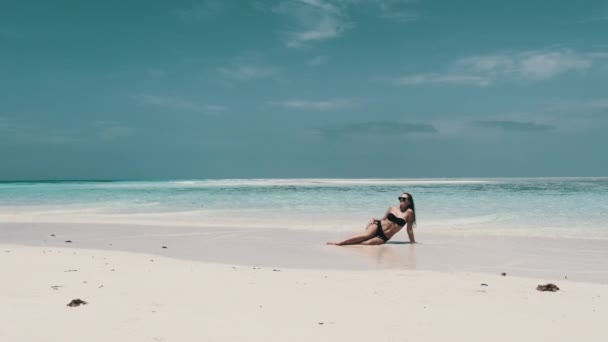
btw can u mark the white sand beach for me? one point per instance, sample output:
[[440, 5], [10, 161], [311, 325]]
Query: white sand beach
[[140, 295]]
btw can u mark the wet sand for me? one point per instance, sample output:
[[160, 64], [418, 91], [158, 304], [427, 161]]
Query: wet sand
[[576, 259]]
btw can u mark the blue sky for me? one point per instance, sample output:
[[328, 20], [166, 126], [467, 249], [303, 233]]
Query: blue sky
[[308, 88]]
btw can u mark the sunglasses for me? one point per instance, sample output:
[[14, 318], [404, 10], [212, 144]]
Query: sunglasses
[[403, 199]]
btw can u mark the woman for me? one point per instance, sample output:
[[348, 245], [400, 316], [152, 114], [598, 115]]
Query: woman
[[380, 231]]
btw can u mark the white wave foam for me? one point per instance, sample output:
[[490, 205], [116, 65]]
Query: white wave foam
[[328, 182], [467, 221]]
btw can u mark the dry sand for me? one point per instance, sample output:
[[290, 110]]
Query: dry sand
[[145, 297]]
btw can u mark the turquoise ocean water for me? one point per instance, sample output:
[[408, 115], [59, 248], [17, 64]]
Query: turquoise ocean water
[[556, 207]]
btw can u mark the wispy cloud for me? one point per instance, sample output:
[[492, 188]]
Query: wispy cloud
[[591, 109], [387, 129], [318, 61], [327, 105], [16, 131], [13, 131], [514, 126], [417, 79], [243, 72], [109, 131], [527, 66], [215, 108], [10, 130], [315, 20], [402, 16], [598, 55], [397, 10], [592, 19], [178, 103], [599, 104]]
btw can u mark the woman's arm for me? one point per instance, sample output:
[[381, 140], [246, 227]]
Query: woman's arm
[[410, 226]]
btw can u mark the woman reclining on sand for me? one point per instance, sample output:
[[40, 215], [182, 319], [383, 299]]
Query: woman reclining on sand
[[380, 231]]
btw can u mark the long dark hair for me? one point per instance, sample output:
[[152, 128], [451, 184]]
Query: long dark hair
[[411, 205]]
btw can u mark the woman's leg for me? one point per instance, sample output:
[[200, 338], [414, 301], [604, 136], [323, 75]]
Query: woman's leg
[[369, 233], [373, 241]]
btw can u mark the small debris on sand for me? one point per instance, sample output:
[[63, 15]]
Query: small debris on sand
[[77, 302], [503, 274], [56, 287], [275, 270], [548, 287], [484, 284], [164, 247], [53, 235], [70, 271], [68, 241]]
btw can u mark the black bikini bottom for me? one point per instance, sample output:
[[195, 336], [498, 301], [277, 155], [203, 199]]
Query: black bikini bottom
[[380, 232]]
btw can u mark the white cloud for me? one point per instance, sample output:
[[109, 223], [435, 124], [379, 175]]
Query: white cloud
[[248, 72], [541, 66], [483, 70], [393, 10], [418, 79], [328, 105], [315, 20], [529, 65], [177, 103], [397, 10]]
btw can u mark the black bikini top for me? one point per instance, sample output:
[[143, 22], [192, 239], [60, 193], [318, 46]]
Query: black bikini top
[[399, 221]]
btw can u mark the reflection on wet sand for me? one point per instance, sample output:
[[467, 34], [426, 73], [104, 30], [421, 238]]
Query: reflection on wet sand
[[390, 255]]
